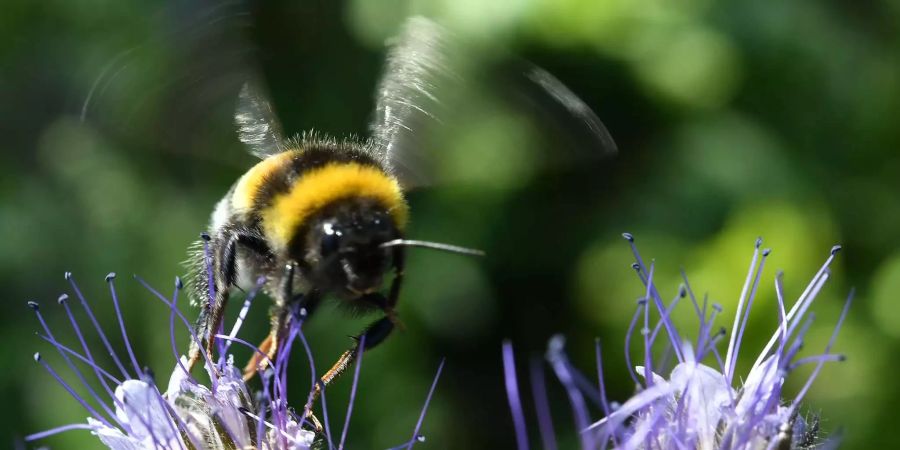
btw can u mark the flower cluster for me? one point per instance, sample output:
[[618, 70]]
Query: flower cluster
[[696, 406], [127, 411]]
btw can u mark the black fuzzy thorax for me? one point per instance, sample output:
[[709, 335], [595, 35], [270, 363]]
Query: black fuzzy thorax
[[308, 155]]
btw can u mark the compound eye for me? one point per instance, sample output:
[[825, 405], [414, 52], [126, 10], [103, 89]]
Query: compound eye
[[331, 240]]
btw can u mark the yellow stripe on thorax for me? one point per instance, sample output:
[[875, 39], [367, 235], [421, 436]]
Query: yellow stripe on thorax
[[247, 187], [320, 187]]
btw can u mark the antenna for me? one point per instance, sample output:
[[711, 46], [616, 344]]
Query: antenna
[[433, 246]]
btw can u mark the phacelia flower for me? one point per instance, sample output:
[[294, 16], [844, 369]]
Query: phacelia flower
[[133, 414], [692, 405]]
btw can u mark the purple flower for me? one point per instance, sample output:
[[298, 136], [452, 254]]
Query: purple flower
[[692, 405], [133, 414]]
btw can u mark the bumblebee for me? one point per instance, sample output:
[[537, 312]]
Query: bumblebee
[[318, 217]]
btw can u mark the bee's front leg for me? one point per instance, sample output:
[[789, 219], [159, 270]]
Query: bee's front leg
[[268, 348], [393, 296], [281, 316], [389, 304], [372, 335], [207, 325], [224, 267]]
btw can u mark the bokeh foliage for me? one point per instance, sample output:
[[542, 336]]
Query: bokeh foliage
[[734, 120]]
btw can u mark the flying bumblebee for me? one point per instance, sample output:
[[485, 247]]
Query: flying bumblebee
[[322, 218], [317, 216]]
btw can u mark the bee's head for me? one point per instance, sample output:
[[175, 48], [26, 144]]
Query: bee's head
[[343, 249]]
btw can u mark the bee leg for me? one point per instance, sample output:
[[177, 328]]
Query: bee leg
[[199, 331], [315, 421], [207, 326], [374, 334], [269, 346], [394, 295], [281, 315], [217, 315], [224, 264], [259, 359], [224, 276], [388, 304]]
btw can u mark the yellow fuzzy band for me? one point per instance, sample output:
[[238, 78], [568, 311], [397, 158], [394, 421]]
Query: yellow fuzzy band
[[323, 186], [248, 186]]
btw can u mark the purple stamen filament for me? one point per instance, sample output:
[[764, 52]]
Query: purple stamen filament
[[542, 405], [512, 394], [737, 314], [362, 345], [661, 416], [416, 437], [73, 367], [90, 314], [78, 398], [115, 301]]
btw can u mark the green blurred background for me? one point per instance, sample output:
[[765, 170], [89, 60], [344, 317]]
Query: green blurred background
[[734, 120]]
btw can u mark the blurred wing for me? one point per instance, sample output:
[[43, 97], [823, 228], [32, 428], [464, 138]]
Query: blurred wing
[[571, 111], [177, 107], [257, 125], [406, 98], [423, 72]]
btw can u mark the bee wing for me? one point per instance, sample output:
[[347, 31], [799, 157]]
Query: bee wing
[[257, 124], [419, 76], [406, 98], [555, 100]]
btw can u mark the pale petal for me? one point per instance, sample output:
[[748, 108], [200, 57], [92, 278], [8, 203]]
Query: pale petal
[[759, 385], [705, 395], [300, 439], [657, 379], [179, 381], [113, 437], [141, 408]]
